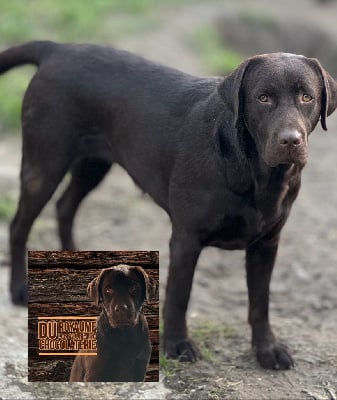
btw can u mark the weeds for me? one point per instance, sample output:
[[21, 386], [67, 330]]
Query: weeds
[[204, 333], [65, 21], [208, 332], [217, 58], [7, 207], [257, 18], [170, 367]]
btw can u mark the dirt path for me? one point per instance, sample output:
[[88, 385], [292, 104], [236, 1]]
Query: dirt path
[[117, 216]]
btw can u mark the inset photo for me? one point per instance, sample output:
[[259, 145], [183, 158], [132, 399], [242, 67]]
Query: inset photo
[[93, 316]]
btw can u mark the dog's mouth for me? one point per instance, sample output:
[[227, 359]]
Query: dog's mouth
[[300, 162], [122, 322], [297, 156]]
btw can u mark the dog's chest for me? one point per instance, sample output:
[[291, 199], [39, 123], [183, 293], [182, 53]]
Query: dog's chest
[[236, 231], [118, 357], [123, 346], [251, 215]]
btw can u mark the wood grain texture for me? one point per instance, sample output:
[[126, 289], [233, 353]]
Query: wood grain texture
[[58, 287]]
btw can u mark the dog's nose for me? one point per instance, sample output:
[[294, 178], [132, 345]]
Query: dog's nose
[[121, 308], [290, 137]]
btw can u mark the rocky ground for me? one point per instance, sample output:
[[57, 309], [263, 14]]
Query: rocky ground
[[117, 216]]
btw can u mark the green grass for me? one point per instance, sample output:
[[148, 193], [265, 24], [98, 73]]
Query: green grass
[[253, 17], [12, 88], [66, 20], [207, 332], [7, 207], [98, 21], [204, 333], [217, 58], [170, 367], [73, 20]]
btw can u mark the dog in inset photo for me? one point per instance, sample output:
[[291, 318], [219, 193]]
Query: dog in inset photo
[[123, 343]]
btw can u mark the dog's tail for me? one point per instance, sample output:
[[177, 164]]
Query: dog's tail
[[28, 53]]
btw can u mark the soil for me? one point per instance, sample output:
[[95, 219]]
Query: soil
[[117, 216]]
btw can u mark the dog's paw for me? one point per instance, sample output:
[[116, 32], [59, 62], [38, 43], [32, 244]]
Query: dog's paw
[[184, 350], [20, 295], [274, 356]]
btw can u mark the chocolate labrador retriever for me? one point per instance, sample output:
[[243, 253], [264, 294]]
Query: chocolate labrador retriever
[[222, 156], [123, 344]]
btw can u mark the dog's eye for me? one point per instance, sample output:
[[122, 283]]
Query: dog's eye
[[263, 98], [109, 291], [132, 290], [306, 98]]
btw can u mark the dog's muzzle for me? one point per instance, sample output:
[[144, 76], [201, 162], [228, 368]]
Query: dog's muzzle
[[288, 147]]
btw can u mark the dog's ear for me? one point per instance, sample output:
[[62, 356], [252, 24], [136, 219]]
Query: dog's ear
[[230, 89], [329, 92], [145, 280], [93, 288]]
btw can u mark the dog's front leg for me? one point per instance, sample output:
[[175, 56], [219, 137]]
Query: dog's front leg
[[184, 253], [260, 258]]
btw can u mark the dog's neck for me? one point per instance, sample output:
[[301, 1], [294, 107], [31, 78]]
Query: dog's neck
[[117, 338]]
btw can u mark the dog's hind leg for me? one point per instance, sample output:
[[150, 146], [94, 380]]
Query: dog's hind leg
[[39, 178], [47, 152], [86, 175]]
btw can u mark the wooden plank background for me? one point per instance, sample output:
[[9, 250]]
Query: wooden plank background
[[58, 287]]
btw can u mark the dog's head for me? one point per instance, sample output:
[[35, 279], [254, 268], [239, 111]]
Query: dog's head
[[280, 98], [122, 291]]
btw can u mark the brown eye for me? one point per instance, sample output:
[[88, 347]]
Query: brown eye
[[132, 290], [263, 98], [109, 291], [306, 98]]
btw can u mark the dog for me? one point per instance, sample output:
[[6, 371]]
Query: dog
[[123, 343], [222, 156]]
